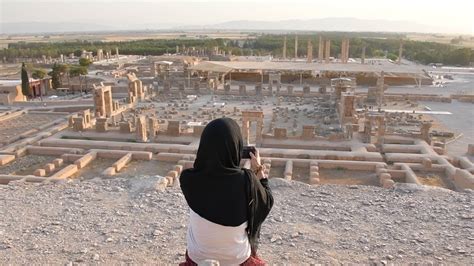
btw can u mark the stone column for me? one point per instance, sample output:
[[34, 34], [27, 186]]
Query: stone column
[[259, 131], [140, 131], [425, 132], [363, 54], [321, 49], [310, 52], [296, 46], [242, 90], [367, 130], [380, 88], [284, 48], [381, 130], [290, 90], [327, 53], [288, 174], [306, 90], [245, 130], [400, 52], [152, 127]]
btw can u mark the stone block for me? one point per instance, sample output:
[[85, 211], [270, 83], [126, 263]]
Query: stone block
[[125, 127], [58, 162], [388, 183], [101, 125], [178, 168], [66, 172], [314, 175], [174, 128], [122, 162], [197, 131], [110, 171], [49, 168], [39, 172], [470, 149], [426, 162], [6, 159], [161, 184], [384, 176], [173, 174], [314, 181], [85, 160], [308, 132], [280, 133]]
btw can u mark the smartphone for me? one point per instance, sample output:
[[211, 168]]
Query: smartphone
[[247, 150]]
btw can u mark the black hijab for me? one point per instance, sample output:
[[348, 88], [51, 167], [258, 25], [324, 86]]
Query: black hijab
[[216, 187]]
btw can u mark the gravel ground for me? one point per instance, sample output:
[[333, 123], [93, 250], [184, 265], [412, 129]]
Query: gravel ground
[[130, 221]]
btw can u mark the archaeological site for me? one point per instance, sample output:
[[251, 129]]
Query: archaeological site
[[347, 142]]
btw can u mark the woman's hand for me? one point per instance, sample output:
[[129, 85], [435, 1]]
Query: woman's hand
[[255, 164]]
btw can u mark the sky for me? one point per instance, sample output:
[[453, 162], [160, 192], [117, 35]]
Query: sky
[[449, 16]]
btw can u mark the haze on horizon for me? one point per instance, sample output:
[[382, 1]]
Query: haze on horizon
[[453, 16]]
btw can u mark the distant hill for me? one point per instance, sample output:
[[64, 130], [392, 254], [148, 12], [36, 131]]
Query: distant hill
[[327, 24], [324, 24], [52, 27]]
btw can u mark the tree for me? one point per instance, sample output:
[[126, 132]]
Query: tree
[[38, 73], [78, 71], [392, 57], [25, 81], [55, 79], [85, 62]]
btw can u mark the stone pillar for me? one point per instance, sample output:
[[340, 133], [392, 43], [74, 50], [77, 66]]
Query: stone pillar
[[226, 88], [296, 46], [308, 132], [101, 125], [345, 50], [363, 54], [321, 49], [367, 130], [310, 52], [314, 173], [400, 52], [327, 52], [380, 89], [78, 124], [288, 174], [259, 132], [196, 86], [279, 133], [380, 130], [242, 90], [290, 90], [425, 132], [152, 127], [140, 90], [125, 127], [284, 48], [245, 131], [470, 149], [140, 131], [306, 90], [258, 89], [174, 128], [116, 53]]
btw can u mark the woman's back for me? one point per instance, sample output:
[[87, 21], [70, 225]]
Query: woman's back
[[207, 240]]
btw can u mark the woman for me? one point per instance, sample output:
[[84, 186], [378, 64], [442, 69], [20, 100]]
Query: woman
[[227, 204]]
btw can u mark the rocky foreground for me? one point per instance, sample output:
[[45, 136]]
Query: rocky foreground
[[131, 221]]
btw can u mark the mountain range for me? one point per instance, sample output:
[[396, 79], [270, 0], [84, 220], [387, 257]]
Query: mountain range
[[323, 24]]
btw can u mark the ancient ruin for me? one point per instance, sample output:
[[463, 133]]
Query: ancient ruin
[[310, 120]]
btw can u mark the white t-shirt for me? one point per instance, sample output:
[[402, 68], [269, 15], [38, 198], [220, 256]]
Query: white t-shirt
[[207, 240]]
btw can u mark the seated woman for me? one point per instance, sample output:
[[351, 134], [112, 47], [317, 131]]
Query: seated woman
[[228, 204]]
